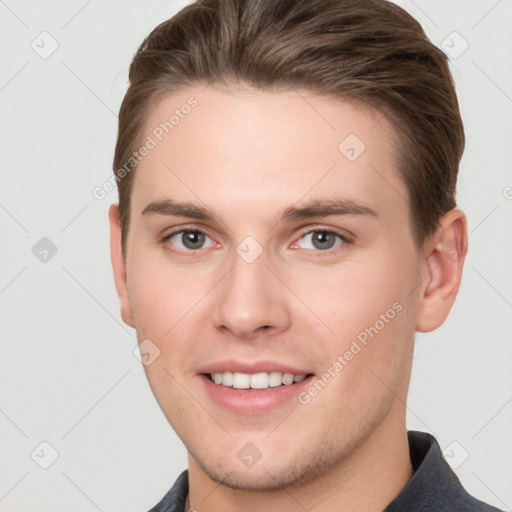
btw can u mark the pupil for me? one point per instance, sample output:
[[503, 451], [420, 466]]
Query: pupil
[[323, 240], [193, 239]]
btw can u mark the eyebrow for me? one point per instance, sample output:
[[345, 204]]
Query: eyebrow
[[171, 208], [326, 207], [317, 208]]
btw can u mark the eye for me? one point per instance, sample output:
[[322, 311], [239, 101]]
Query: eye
[[189, 240], [321, 240]]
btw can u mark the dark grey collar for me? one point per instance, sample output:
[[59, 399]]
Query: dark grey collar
[[434, 487]]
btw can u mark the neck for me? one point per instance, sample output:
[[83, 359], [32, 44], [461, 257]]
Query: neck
[[368, 480]]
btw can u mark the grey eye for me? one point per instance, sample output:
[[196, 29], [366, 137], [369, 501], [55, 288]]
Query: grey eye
[[321, 240], [190, 240]]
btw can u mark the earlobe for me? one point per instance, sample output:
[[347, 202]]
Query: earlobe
[[119, 265], [445, 253]]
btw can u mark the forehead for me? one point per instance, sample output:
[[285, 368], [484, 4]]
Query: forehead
[[247, 149]]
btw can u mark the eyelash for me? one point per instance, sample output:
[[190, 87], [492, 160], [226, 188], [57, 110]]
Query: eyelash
[[344, 240], [327, 252]]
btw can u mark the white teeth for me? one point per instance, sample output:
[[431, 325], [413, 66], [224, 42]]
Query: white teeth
[[274, 379], [262, 380], [227, 379], [241, 380], [259, 381], [287, 379]]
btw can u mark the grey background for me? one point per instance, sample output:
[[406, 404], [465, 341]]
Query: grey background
[[68, 374]]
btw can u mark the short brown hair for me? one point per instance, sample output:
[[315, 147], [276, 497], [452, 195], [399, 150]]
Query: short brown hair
[[371, 51]]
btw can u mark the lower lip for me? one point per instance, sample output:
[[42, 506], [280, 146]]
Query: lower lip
[[253, 401]]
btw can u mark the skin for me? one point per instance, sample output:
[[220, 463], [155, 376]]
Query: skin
[[247, 156]]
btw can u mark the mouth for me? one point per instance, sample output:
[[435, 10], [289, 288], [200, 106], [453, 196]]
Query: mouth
[[261, 380], [253, 388]]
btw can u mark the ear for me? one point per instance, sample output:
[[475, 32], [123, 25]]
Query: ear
[[119, 265], [445, 253]]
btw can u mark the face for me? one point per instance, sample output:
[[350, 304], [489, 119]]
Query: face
[[271, 264]]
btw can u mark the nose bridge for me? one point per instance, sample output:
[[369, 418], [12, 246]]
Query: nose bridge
[[249, 297]]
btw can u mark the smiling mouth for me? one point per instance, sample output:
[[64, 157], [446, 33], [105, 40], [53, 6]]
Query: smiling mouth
[[261, 380]]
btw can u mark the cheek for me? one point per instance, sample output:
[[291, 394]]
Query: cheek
[[375, 326], [351, 296], [162, 295], [168, 309], [368, 304]]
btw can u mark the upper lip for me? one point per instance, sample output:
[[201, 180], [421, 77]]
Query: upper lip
[[232, 365]]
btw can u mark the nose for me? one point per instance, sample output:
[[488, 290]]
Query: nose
[[251, 300]]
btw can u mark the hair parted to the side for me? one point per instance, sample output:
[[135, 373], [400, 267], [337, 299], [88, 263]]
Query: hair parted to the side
[[371, 51]]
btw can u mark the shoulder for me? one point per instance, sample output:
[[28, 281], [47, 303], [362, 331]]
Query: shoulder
[[174, 500], [434, 487]]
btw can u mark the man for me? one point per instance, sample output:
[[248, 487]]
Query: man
[[286, 223]]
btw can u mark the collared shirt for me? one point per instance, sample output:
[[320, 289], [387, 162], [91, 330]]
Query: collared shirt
[[434, 487]]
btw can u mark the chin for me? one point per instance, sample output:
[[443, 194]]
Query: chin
[[282, 470]]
